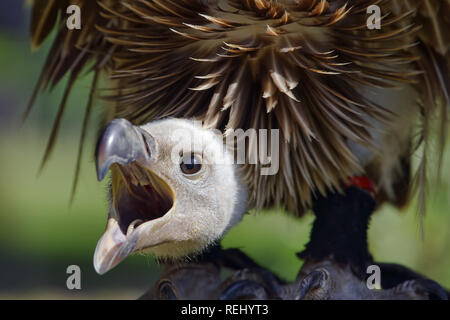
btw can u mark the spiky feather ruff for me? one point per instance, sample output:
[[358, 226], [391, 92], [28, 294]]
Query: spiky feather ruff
[[298, 66]]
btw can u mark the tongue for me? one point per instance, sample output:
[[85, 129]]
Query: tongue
[[113, 247]]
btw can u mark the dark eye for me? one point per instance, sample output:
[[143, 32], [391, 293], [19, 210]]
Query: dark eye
[[190, 164]]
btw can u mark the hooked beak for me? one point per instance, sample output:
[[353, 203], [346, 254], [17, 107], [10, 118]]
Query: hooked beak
[[140, 198], [120, 143]]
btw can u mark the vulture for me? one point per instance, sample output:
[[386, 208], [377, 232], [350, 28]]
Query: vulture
[[352, 102]]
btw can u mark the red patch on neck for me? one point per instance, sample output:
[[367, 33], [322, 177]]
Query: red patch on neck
[[361, 182]]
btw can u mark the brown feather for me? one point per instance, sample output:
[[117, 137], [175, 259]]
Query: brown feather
[[298, 66], [434, 83]]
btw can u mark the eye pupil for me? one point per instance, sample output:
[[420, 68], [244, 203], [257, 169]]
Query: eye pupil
[[190, 165]]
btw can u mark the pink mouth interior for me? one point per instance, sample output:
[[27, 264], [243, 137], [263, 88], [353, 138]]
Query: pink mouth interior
[[143, 202]]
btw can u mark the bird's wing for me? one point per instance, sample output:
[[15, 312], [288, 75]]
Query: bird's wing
[[298, 66], [433, 15], [72, 52], [433, 59]]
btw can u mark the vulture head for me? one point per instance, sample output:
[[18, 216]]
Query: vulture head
[[174, 190]]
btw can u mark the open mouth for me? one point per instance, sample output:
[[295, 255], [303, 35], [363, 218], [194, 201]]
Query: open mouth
[[139, 196]]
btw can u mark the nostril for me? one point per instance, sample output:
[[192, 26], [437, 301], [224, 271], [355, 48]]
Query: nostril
[[147, 147]]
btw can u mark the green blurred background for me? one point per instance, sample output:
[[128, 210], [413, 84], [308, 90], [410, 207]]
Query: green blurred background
[[40, 235]]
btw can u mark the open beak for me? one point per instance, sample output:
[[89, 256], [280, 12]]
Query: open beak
[[141, 200]]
